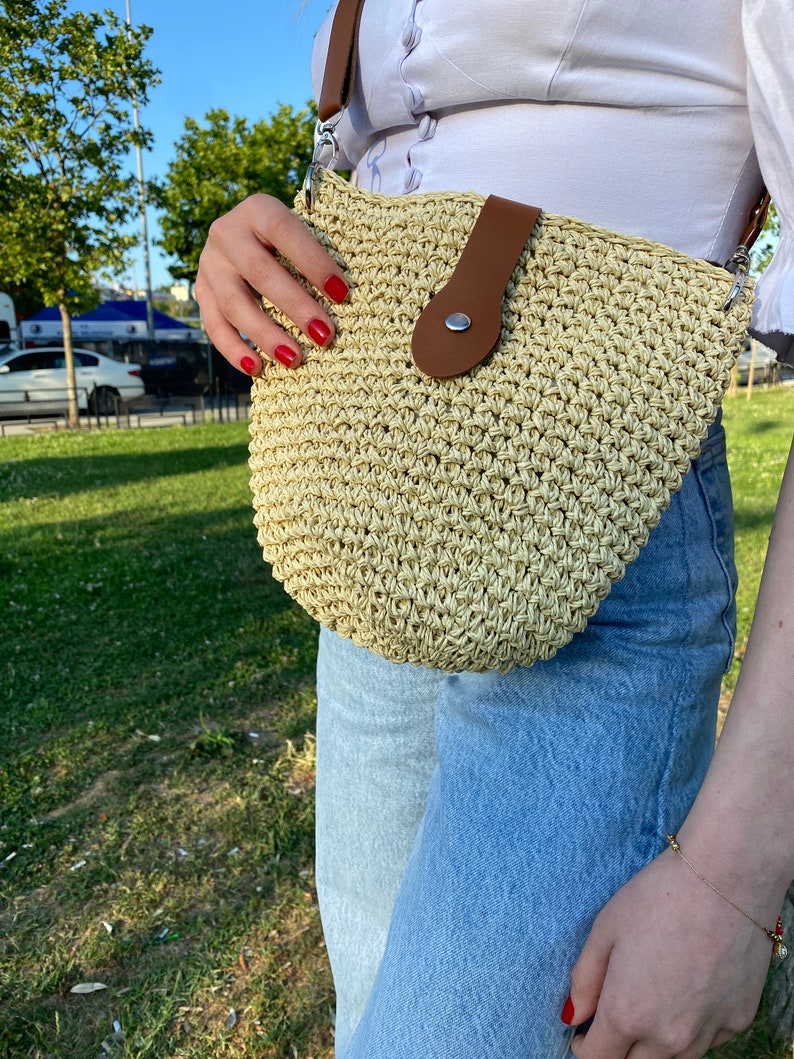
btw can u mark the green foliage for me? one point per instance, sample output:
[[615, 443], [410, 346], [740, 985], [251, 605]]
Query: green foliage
[[222, 161], [767, 241], [213, 742], [67, 80], [759, 436], [27, 300]]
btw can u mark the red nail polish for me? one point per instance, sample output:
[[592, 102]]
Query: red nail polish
[[318, 332], [336, 289], [284, 355], [567, 1012], [248, 366]]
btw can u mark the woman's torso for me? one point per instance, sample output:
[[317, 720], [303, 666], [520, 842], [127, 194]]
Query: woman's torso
[[628, 113]]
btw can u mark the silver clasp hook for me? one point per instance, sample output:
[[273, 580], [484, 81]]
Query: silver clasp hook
[[325, 142], [739, 265]]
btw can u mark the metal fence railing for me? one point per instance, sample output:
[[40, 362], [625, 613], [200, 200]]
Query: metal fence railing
[[146, 411]]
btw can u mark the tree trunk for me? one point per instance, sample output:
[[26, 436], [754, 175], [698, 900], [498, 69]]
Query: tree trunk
[[780, 987], [73, 414]]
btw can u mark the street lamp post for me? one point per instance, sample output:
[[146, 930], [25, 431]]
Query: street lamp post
[[142, 207]]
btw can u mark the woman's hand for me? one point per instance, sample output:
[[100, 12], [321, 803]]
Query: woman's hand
[[669, 969], [238, 263]]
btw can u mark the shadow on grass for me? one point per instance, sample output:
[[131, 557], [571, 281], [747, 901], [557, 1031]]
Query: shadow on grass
[[758, 427], [748, 520], [65, 475]]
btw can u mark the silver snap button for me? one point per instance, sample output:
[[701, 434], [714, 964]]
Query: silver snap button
[[458, 322]]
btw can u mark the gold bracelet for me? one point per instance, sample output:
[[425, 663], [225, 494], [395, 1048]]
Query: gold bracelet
[[775, 936]]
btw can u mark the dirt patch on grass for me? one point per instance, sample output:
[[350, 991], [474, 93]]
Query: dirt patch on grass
[[101, 790]]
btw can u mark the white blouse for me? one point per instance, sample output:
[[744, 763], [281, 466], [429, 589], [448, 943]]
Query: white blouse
[[659, 118]]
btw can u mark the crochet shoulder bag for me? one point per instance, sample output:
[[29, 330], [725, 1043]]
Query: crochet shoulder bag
[[510, 403]]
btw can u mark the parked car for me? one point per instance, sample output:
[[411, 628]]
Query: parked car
[[767, 366], [34, 381]]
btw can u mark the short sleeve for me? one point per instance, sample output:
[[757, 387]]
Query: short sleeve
[[768, 28]]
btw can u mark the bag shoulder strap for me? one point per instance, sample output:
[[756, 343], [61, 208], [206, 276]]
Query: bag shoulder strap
[[340, 66], [756, 219]]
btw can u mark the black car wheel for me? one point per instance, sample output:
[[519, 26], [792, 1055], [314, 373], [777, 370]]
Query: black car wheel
[[103, 401]]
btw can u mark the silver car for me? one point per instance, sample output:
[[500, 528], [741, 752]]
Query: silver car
[[33, 381], [766, 368]]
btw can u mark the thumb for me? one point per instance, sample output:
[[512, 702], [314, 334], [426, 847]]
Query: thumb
[[587, 977]]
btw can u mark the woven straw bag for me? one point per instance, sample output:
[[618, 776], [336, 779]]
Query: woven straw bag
[[476, 521]]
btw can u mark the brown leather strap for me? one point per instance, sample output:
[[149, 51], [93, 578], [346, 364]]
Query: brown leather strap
[[340, 66], [474, 292], [756, 219]]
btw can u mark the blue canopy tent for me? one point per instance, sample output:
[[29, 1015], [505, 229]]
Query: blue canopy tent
[[44, 324], [122, 319], [132, 316]]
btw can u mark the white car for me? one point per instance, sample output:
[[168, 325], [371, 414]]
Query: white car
[[766, 368], [33, 381]]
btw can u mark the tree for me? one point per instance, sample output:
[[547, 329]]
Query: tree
[[27, 300], [66, 129], [767, 241], [221, 162]]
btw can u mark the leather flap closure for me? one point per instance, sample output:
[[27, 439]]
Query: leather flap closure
[[461, 324]]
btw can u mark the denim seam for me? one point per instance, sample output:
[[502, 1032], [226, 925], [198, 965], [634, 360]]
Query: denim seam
[[673, 745], [698, 470]]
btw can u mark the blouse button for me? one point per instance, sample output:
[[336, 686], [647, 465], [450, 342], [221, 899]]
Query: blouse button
[[427, 127], [413, 178], [412, 98], [412, 34]]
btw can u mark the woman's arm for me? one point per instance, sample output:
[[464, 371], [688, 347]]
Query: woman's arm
[[670, 967], [752, 767]]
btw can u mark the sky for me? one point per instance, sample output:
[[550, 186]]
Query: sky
[[245, 56]]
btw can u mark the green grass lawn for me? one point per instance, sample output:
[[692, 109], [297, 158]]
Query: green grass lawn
[[156, 758], [759, 435]]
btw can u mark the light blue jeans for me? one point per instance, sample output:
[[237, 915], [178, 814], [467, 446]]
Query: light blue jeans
[[471, 827]]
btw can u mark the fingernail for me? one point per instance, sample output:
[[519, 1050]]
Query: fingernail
[[284, 355], [336, 288], [567, 1012], [248, 365], [318, 332]]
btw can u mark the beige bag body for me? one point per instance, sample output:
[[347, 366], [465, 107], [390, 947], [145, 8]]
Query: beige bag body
[[476, 521]]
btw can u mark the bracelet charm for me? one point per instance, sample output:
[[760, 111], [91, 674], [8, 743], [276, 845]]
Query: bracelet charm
[[779, 950]]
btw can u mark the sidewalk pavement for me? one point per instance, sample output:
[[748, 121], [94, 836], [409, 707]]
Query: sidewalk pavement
[[138, 415]]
